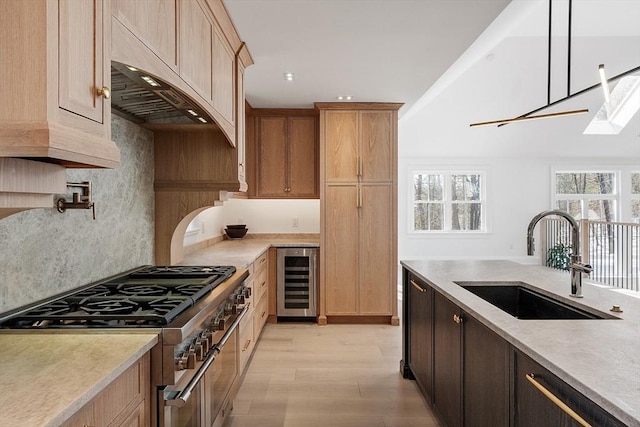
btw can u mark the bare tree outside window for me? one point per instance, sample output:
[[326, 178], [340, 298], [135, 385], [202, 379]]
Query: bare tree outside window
[[587, 195], [447, 202], [635, 195]]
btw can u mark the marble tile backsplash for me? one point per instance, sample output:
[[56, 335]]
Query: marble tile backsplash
[[44, 252]]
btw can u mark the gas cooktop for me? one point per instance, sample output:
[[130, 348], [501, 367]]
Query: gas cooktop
[[147, 297]]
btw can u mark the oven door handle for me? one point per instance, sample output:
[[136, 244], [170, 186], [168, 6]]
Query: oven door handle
[[181, 399], [218, 347]]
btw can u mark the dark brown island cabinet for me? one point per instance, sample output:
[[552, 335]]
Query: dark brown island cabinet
[[473, 377]]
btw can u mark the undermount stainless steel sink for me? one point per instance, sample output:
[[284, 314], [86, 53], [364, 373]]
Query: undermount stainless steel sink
[[522, 302]]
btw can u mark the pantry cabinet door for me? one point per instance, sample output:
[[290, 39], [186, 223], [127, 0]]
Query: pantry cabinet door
[[341, 146], [341, 249], [377, 141], [377, 260]]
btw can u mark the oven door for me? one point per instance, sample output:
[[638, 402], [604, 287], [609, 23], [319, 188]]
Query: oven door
[[198, 402]]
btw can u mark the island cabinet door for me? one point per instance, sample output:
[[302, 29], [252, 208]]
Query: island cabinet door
[[447, 344], [542, 399], [485, 376], [420, 332]]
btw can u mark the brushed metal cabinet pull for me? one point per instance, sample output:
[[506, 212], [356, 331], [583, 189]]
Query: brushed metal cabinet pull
[[418, 287]]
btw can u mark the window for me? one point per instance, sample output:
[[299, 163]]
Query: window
[[587, 195], [447, 201], [635, 197]]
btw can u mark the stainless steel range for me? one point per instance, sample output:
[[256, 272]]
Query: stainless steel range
[[196, 310]]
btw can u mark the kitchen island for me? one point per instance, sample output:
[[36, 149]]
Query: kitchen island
[[49, 377], [598, 358]]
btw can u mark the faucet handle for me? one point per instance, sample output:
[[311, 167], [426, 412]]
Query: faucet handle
[[581, 267]]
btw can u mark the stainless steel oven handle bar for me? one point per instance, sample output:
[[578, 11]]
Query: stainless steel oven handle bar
[[181, 399]]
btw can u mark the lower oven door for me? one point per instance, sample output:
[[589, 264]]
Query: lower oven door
[[218, 381], [198, 402]]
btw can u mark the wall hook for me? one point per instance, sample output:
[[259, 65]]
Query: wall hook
[[80, 200]]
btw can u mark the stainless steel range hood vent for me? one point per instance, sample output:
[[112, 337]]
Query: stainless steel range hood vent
[[141, 98]]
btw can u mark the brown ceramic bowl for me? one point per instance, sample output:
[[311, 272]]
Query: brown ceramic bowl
[[237, 226]]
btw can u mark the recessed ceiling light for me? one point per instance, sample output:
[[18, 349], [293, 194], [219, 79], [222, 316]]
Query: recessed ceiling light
[[344, 98], [193, 113], [289, 77], [131, 68], [202, 120]]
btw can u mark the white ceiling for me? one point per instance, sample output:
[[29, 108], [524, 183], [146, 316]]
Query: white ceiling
[[372, 50], [452, 62]]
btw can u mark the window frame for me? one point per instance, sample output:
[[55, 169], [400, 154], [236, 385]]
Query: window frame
[[447, 200], [585, 198]]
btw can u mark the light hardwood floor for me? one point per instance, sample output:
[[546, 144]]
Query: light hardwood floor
[[305, 375]]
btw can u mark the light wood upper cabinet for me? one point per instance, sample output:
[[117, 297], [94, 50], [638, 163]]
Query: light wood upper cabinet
[[285, 157], [154, 23], [358, 145], [81, 57], [55, 82], [196, 48], [341, 145], [223, 77]]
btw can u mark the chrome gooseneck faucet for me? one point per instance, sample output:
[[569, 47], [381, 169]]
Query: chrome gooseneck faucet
[[576, 266]]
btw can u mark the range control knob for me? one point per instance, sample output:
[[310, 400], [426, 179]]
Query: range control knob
[[239, 299], [217, 324], [230, 308], [247, 292], [191, 358], [181, 362], [199, 350], [205, 339]]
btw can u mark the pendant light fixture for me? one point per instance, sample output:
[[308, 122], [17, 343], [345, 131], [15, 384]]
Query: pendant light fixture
[[529, 116]]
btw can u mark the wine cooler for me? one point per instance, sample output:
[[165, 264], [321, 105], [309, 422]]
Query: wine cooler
[[296, 284]]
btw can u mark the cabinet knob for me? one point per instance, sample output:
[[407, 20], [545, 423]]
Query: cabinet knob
[[104, 92], [458, 319]]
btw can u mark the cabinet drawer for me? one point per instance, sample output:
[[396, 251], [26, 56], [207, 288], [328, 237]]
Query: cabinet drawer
[[247, 340], [260, 315]]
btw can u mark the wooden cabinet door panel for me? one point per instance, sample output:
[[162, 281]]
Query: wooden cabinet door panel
[[447, 343], [223, 70], [486, 376], [272, 144], [153, 22], [421, 335], [196, 48], [80, 63], [532, 408], [341, 249], [303, 164], [376, 145], [341, 145], [376, 251]]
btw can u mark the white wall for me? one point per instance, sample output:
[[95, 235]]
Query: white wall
[[260, 216], [517, 189]]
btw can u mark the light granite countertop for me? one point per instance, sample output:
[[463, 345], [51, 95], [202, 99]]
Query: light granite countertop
[[47, 377], [599, 358], [242, 252]]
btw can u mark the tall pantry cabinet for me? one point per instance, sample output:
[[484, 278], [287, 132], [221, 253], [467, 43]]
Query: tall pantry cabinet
[[358, 212]]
